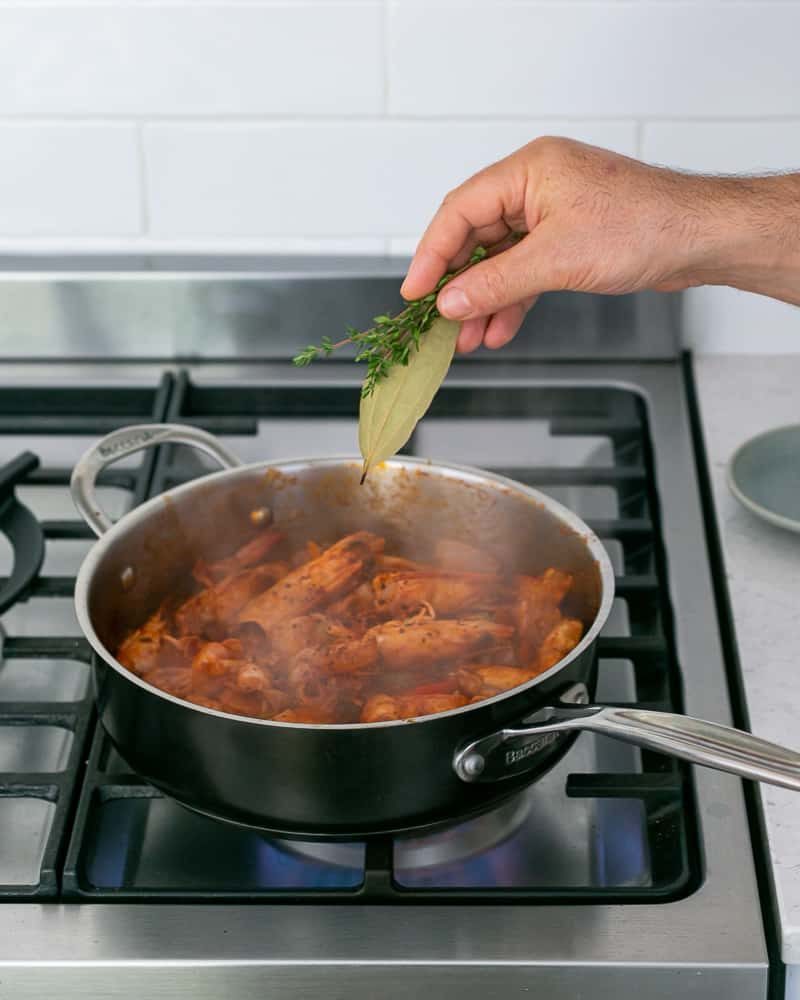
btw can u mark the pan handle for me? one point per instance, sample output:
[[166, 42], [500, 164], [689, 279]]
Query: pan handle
[[721, 747], [126, 441]]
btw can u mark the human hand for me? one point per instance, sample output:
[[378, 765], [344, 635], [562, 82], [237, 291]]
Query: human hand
[[594, 221]]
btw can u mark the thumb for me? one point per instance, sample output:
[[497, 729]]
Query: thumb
[[504, 280]]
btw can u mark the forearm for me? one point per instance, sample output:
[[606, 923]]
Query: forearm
[[595, 221], [753, 235]]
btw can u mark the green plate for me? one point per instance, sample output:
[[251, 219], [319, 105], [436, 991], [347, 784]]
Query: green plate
[[764, 476]]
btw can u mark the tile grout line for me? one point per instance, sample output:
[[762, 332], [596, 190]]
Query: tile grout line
[[226, 4], [302, 119], [266, 245], [27, 4]]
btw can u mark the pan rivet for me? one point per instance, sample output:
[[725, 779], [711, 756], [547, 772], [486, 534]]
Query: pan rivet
[[261, 515], [127, 578], [474, 765]]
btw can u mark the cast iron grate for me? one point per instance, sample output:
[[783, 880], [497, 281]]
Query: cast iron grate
[[46, 711], [131, 843]]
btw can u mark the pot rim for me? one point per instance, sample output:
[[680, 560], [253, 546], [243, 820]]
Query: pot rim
[[465, 473]]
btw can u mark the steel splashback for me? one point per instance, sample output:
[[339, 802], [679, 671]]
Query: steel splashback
[[267, 308]]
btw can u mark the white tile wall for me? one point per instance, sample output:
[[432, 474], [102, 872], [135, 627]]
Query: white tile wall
[[321, 178], [727, 321], [199, 59], [314, 126], [724, 147], [75, 180], [640, 59]]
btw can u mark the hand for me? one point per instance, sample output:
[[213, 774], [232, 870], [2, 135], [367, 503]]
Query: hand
[[593, 221]]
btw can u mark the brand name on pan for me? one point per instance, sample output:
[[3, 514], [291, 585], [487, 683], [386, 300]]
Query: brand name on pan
[[522, 753], [112, 447]]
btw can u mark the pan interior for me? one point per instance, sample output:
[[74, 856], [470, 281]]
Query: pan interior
[[149, 555]]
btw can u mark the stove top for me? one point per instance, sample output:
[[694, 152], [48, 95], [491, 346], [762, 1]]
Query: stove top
[[608, 822], [620, 868]]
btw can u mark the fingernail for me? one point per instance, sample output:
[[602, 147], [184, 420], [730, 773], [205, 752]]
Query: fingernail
[[454, 303]]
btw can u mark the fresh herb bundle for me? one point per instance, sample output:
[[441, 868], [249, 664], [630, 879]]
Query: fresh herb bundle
[[391, 341], [407, 358]]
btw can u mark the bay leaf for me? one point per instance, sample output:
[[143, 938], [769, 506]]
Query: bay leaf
[[389, 415]]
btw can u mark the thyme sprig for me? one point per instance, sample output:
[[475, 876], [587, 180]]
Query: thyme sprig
[[390, 341]]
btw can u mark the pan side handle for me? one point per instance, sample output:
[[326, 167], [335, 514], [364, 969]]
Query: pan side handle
[[708, 743], [126, 441]]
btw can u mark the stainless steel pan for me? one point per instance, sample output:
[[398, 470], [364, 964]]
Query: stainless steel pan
[[350, 780]]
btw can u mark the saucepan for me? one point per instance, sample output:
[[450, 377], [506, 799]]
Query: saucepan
[[351, 780]]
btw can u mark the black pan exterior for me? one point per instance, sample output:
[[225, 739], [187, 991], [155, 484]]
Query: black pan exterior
[[315, 781]]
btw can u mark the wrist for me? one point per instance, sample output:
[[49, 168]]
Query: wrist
[[751, 235]]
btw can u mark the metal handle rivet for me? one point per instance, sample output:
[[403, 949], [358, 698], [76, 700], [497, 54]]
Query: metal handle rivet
[[474, 764]]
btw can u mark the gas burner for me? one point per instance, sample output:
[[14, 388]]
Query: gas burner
[[450, 845]]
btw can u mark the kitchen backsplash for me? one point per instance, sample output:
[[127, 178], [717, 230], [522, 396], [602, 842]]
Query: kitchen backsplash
[[318, 127]]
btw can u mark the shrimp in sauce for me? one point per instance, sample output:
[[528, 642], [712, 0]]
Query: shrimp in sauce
[[350, 633]]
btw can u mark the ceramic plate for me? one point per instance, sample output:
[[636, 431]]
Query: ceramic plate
[[764, 475]]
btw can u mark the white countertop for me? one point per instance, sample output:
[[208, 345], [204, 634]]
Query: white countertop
[[741, 396]]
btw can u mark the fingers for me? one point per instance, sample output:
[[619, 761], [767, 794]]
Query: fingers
[[493, 331], [501, 281], [479, 204], [503, 326], [471, 334], [484, 236]]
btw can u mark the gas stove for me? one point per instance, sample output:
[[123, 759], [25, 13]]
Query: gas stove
[[621, 869]]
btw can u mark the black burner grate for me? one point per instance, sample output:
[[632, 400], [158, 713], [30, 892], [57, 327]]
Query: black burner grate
[[628, 820], [46, 712]]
